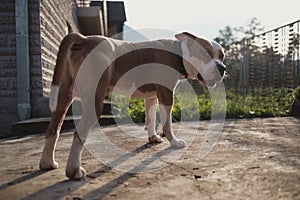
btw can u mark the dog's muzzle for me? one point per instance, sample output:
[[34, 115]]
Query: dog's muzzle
[[221, 68]]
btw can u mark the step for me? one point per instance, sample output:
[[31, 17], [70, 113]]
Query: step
[[40, 125], [108, 108], [42, 109]]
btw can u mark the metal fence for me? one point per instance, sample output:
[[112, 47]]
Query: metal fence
[[265, 62], [83, 3]]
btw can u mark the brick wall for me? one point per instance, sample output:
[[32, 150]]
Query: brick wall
[[36, 83], [49, 22], [8, 81], [57, 18]]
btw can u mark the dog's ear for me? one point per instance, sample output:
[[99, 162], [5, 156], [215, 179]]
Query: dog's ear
[[184, 35]]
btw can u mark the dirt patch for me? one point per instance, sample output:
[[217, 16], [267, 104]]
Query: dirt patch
[[253, 159]]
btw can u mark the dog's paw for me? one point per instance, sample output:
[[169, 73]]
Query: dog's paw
[[76, 174], [155, 139], [177, 143], [48, 165]]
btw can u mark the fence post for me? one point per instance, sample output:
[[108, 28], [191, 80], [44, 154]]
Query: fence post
[[268, 62]]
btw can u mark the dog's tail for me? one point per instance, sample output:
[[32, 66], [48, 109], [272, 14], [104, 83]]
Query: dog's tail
[[61, 70]]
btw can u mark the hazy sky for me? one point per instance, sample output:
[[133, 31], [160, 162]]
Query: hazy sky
[[205, 18]]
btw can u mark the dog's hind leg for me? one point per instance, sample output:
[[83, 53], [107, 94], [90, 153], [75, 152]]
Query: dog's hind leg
[[63, 102], [88, 120], [90, 116]]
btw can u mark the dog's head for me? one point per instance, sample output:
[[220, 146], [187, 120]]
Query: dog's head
[[202, 59]]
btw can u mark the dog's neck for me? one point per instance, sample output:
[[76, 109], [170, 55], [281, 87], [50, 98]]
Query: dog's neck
[[181, 68]]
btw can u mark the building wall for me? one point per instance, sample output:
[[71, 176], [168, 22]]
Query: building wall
[[8, 81], [57, 18], [115, 30], [49, 21], [36, 82]]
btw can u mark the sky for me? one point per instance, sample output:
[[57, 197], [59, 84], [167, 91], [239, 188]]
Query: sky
[[206, 18]]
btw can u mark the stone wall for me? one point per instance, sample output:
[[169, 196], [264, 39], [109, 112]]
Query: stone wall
[[8, 81], [57, 18], [49, 21], [36, 83]]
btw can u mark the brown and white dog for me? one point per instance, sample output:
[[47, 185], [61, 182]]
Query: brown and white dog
[[97, 75]]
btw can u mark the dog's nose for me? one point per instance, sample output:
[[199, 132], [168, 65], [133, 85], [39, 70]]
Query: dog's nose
[[222, 68]]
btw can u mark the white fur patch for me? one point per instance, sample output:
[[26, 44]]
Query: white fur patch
[[197, 66], [189, 69], [177, 143], [185, 49], [53, 97], [195, 62]]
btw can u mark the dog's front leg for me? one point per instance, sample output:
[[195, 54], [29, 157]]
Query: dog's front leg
[[151, 105], [165, 105]]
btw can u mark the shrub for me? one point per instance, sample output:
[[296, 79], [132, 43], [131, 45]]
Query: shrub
[[257, 103]]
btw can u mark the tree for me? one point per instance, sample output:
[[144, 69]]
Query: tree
[[251, 29], [229, 34]]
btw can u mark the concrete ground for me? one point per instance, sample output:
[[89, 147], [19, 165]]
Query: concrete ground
[[253, 159]]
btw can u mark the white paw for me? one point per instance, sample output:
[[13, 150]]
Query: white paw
[[75, 174], [177, 143], [155, 139], [47, 165]]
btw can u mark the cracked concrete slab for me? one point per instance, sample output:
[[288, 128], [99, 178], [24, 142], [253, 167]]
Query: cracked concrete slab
[[253, 159]]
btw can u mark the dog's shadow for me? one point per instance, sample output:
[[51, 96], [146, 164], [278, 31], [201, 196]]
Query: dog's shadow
[[23, 179], [63, 188]]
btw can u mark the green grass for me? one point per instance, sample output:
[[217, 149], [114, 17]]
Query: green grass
[[257, 105], [188, 106]]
